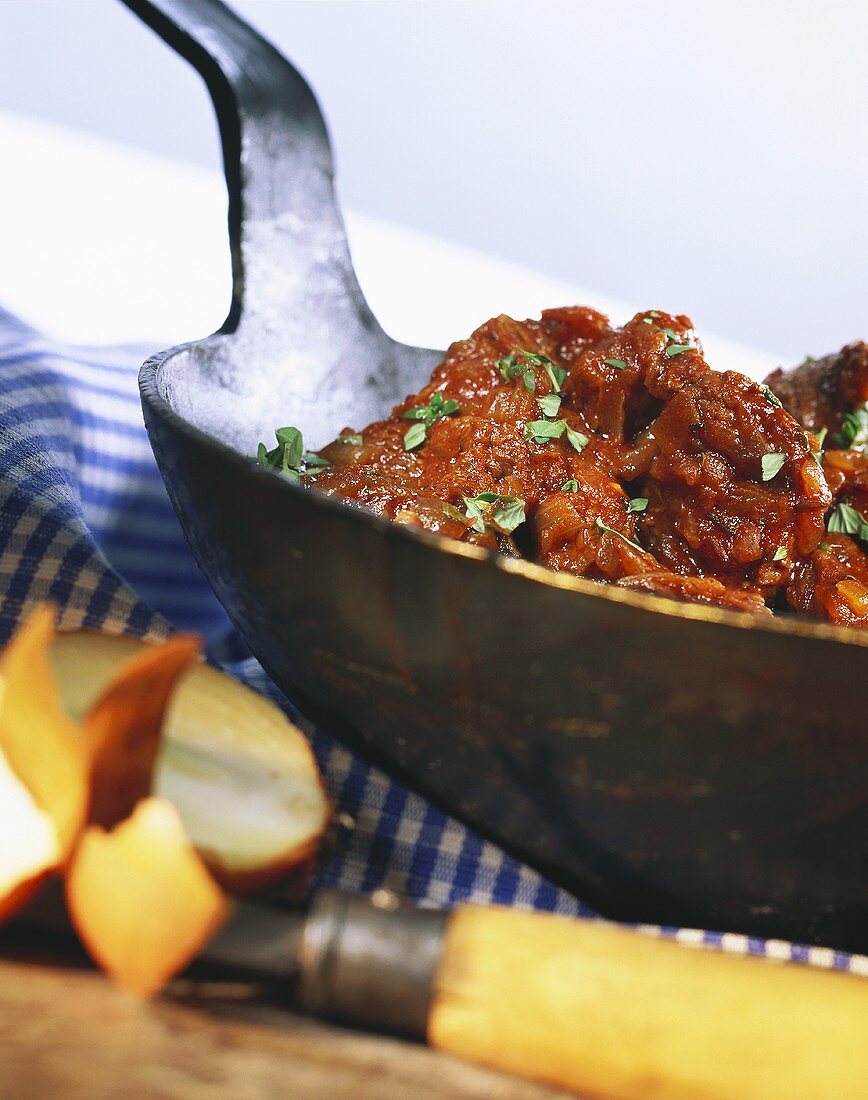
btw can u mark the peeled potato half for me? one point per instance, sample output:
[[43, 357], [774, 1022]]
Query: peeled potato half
[[242, 777]]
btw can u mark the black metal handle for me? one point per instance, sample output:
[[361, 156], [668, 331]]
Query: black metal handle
[[286, 233]]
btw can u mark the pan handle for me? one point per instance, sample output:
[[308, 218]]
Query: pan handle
[[290, 256]]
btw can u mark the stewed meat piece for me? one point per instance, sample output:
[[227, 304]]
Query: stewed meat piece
[[819, 393], [830, 396]]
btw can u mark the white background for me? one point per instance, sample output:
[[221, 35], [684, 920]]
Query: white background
[[710, 158]]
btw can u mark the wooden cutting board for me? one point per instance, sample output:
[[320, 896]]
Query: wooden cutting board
[[66, 1032]]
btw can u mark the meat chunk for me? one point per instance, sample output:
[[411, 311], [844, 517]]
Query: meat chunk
[[707, 590], [728, 473], [832, 582], [820, 392]]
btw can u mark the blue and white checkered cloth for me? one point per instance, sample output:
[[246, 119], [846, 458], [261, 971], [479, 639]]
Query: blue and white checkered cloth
[[85, 523]]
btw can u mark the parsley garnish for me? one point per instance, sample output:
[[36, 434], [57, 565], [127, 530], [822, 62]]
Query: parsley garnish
[[772, 397], [821, 439], [415, 436], [780, 554], [533, 357], [576, 439], [509, 368], [351, 437], [647, 321], [847, 521], [605, 527], [772, 462], [436, 409], [504, 514], [854, 431], [289, 456], [556, 375], [520, 364], [571, 486], [618, 364], [541, 431], [550, 404], [637, 504], [677, 349]]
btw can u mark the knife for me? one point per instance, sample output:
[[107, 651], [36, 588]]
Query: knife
[[581, 1004]]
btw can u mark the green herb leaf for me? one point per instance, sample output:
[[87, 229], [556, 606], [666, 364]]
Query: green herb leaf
[[415, 436], [772, 462], [647, 321], [293, 446], [533, 357], [854, 431], [520, 364], [772, 397], [780, 554], [313, 464], [671, 336], [618, 364], [541, 431], [677, 349], [550, 404], [653, 313], [436, 409], [637, 504], [571, 486], [289, 456], [556, 375], [577, 440], [475, 513], [821, 439], [605, 527], [847, 521], [504, 514], [508, 514], [351, 438]]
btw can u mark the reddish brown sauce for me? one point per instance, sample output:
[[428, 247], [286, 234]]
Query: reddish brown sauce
[[558, 424]]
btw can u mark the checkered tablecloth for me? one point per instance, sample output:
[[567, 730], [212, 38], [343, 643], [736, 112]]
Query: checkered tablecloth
[[85, 523]]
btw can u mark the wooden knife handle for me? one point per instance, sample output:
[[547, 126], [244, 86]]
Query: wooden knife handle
[[608, 1012]]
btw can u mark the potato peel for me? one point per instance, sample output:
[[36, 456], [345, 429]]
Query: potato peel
[[141, 899], [29, 844], [243, 778], [122, 729], [41, 744]]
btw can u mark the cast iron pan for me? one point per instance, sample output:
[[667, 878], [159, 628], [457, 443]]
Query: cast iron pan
[[666, 762]]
